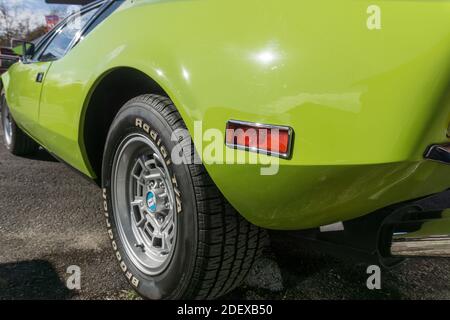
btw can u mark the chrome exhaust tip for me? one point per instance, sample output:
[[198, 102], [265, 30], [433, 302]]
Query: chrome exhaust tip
[[421, 231], [439, 153], [426, 238]]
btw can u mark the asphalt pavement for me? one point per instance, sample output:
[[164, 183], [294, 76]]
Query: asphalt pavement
[[51, 219]]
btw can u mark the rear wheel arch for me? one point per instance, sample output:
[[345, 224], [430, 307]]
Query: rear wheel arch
[[109, 93]]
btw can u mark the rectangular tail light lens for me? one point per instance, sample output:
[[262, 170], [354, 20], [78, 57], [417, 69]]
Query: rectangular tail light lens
[[262, 138]]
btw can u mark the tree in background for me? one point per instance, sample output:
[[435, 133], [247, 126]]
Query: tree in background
[[15, 26], [7, 21]]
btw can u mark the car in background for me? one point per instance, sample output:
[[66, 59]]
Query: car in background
[[7, 58]]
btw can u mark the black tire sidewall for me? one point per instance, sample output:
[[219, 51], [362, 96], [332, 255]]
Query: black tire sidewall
[[174, 281], [9, 146]]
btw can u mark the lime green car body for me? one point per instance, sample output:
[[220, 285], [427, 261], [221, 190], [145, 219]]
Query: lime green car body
[[364, 102]]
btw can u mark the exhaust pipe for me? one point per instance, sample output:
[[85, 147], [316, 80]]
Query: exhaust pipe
[[421, 229], [439, 153], [417, 228], [426, 238]]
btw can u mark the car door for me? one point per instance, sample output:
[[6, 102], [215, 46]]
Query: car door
[[55, 50], [26, 79], [62, 98]]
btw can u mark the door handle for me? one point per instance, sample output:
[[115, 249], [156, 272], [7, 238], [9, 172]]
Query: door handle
[[40, 77]]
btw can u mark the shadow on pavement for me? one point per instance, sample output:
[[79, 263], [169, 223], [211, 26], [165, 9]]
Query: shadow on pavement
[[311, 274], [36, 279], [41, 155]]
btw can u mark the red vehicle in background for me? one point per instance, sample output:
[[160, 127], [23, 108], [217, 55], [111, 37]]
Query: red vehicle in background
[[7, 58]]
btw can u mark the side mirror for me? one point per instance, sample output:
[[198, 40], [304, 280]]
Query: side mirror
[[28, 50]]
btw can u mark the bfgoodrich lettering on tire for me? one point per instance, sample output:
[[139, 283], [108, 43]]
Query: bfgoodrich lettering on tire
[[172, 232]]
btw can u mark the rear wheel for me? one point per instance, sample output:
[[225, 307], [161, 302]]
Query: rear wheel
[[173, 233], [15, 140]]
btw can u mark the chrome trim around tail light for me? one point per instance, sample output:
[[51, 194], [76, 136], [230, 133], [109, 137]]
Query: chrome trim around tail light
[[238, 123]]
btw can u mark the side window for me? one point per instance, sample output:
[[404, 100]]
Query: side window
[[41, 43], [105, 14], [64, 36]]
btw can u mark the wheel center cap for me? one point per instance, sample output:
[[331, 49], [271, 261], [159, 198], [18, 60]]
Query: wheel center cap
[[151, 201]]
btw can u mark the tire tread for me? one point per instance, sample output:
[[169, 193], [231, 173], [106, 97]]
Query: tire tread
[[228, 244]]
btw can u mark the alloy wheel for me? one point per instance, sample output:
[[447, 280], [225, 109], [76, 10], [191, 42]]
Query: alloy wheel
[[143, 200]]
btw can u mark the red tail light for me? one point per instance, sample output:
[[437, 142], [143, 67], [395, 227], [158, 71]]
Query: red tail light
[[262, 138]]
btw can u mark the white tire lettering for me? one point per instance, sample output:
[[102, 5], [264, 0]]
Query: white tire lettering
[[135, 282], [174, 181], [179, 206], [153, 135]]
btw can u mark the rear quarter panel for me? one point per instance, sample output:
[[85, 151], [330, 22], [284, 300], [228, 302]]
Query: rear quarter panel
[[364, 104]]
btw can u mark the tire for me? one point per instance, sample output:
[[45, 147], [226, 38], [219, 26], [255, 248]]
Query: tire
[[15, 140], [212, 247]]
